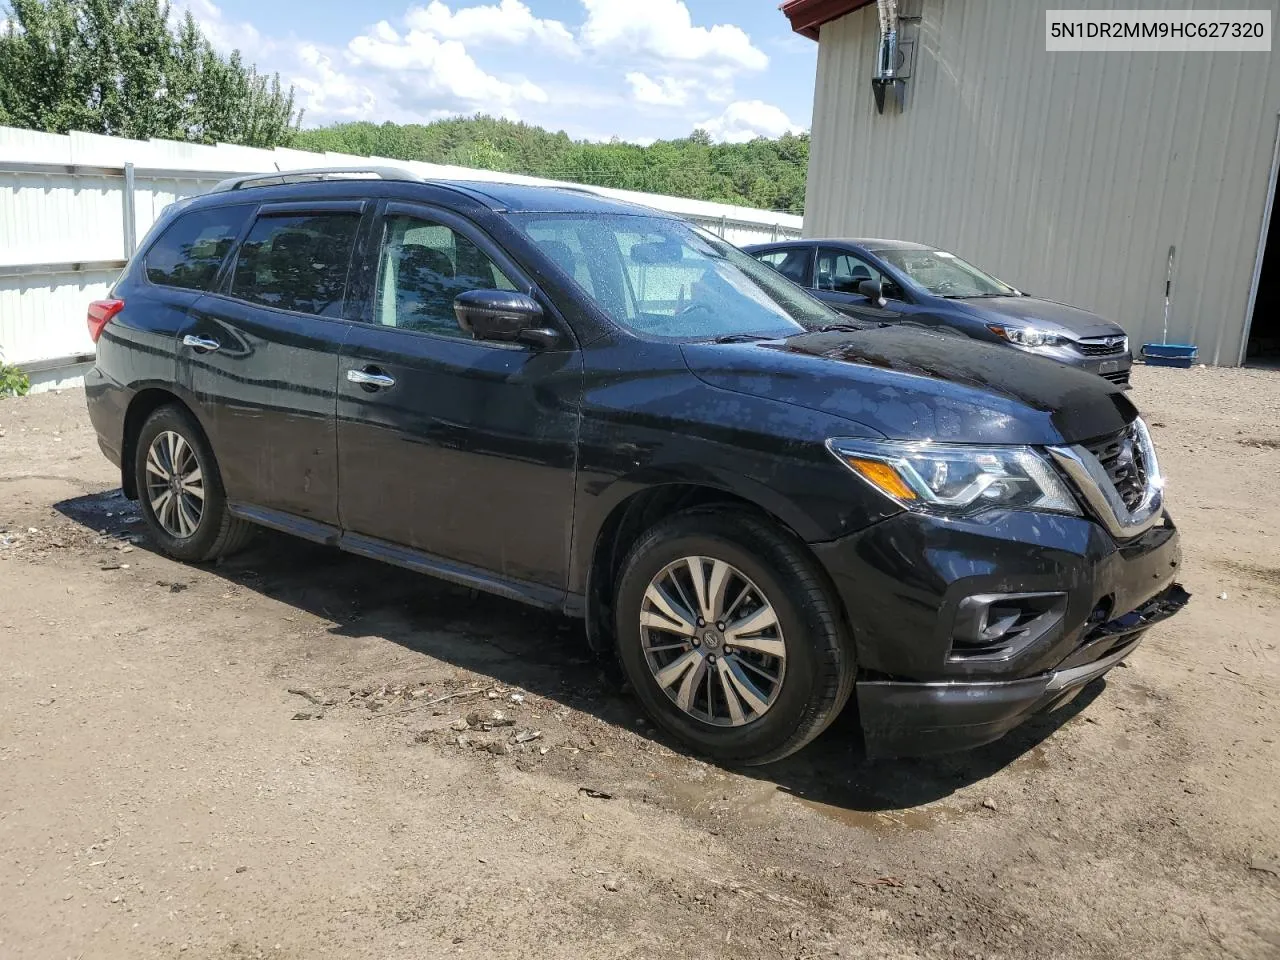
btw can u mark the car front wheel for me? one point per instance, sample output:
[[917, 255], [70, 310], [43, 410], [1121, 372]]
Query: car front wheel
[[730, 637]]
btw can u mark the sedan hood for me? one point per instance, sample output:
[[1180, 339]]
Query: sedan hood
[[1045, 314], [906, 384]]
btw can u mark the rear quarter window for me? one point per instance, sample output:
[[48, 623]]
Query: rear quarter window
[[191, 250], [792, 263]]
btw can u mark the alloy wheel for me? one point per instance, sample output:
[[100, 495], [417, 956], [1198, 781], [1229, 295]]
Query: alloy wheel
[[713, 641], [175, 484]]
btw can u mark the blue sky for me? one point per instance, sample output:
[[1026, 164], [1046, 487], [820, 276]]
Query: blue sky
[[635, 69]]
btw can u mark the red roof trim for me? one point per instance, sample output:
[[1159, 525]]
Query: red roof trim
[[807, 16]]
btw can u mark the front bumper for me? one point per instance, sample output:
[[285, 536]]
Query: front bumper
[[905, 582], [915, 719], [1115, 367]]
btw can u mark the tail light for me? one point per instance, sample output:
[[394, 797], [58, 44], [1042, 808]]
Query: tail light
[[100, 314]]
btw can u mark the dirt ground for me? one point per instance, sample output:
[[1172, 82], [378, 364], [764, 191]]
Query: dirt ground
[[259, 759]]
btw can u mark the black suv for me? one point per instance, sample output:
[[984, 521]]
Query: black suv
[[604, 410]]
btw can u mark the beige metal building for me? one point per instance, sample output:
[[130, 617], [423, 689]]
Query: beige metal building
[[1070, 175]]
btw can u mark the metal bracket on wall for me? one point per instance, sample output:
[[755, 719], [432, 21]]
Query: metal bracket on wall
[[895, 53]]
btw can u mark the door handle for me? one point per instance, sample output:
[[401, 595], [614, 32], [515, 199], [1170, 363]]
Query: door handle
[[371, 377], [202, 344]]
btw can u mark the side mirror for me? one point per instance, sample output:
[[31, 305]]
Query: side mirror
[[505, 316], [872, 290]]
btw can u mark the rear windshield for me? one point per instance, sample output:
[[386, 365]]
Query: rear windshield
[[660, 277], [193, 247]]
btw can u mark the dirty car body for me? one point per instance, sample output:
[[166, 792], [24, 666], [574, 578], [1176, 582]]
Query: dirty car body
[[599, 409]]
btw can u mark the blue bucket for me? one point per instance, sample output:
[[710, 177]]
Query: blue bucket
[[1169, 354]]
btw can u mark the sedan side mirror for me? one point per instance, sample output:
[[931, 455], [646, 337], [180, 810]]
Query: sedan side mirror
[[872, 290], [505, 316]]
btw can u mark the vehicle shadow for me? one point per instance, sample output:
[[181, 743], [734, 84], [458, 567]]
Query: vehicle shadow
[[546, 654]]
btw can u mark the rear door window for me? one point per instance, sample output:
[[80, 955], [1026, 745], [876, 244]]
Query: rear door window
[[792, 263], [297, 262], [191, 250]]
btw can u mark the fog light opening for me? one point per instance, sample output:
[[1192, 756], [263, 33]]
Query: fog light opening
[[997, 626]]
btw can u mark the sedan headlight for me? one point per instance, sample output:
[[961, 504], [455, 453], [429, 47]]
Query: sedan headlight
[[1026, 336], [956, 480]]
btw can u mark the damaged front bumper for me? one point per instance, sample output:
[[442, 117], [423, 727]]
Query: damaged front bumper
[[915, 719]]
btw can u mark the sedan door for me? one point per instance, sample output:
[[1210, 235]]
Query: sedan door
[[836, 279], [451, 448], [259, 361]]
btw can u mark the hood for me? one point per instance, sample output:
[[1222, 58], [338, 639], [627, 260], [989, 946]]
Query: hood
[[907, 384], [1049, 314]]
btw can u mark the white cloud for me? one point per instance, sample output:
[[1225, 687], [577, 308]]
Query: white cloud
[[225, 35], [428, 71], [325, 91], [510, 21], [662, 91], [633, 61], [747, 119], [664, 31]]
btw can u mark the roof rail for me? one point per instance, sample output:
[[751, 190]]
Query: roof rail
[[280, 177]]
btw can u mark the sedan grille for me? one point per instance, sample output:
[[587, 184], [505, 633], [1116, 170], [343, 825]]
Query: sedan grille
[[1121, 457], [1102, 346]]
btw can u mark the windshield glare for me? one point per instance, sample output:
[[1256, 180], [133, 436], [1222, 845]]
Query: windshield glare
[[944, 274], [665, 278]]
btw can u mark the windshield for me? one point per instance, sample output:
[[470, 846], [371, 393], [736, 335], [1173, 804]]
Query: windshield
[[944, 274], [659, 277]]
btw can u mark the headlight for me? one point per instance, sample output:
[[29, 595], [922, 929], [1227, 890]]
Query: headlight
[[1026, 336], [956, 480]]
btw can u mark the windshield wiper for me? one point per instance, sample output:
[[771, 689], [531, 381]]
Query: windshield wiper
[[741, 337]]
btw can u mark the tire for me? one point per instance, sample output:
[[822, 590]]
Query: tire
[[815, 677], [216, 533]]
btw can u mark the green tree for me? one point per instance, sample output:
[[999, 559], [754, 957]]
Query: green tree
[[118, 67], [769, 174]]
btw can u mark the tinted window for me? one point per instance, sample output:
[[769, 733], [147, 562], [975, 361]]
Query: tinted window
[[663, 277], [842, 272], [297, 262], [424, 265], [792, 264], [189, 253]]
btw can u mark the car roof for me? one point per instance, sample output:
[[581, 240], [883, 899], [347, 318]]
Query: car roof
[[497, 196], [867, 243], [525, 198]]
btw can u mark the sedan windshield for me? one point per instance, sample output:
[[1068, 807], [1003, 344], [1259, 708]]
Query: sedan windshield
[[945, 275], [659, 277]]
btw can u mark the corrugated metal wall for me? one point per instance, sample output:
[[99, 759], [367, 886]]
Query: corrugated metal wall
[[63, 230], [1068, 174]]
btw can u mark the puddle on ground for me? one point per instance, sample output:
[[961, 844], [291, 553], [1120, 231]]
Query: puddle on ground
[[706, 793], [882, 821]]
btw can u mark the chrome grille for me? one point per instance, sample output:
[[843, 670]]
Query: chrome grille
[[1102, 346], [1121, 457]]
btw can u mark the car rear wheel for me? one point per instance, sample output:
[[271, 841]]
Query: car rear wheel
[[730, 637], [180, 489]]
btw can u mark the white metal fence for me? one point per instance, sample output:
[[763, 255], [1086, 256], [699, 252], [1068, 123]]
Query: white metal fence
[[72, 209]]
